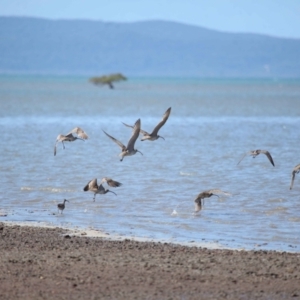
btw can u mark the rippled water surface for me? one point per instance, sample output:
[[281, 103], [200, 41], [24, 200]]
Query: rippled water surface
[[212, 124]]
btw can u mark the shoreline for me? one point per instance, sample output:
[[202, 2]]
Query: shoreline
[[50, 263], [95, 233]]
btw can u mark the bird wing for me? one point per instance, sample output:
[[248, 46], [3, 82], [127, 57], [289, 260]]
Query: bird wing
[[111, 182], [122, 146], [127, 125], [59, 138], [134, 136], [81, 133], [248, 153], [55, 149], [267, 153], [68, 137], [90, 185], [198, 206], [143, 132], [199, 197], [217, 191], [162, 122], [293, 178]]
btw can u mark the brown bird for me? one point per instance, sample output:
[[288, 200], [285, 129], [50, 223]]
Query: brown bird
[[153, 135], [254, 153], [61, 206], [93, 187], [129, 150], [81, 135], [295, 171], [207, 194]]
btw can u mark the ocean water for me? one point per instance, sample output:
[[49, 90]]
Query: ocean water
[[212, 124]]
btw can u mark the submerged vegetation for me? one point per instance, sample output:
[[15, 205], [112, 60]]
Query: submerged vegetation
[[108, 79]]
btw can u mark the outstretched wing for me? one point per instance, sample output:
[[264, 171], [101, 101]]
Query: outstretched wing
[[248, 153], [80, 133], [59, 138], [162, 122], [55, 149], [134, 136], [91, 185], [143, 132], [127, 125], [267, 153], [198, 205], [217, 191], [116, 141], [293, 178], [111, 182], [295, 170]]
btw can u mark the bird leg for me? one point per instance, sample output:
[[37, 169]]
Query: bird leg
[[63, 145]]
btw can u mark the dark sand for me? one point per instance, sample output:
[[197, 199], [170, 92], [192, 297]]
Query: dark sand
[[43, 263]]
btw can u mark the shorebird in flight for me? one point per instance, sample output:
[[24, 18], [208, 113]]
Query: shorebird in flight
[[153, 135], [81, 135], [93, 187], [295, 171], [207, 194], [129, 150], [61, 206], [254, 153]]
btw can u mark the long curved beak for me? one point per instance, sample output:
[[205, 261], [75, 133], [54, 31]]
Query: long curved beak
[[112, 192], [162, 137], [139, 151]]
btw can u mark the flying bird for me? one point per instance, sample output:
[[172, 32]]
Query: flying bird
[[61, 206], [154, 134], [295, 171], [81, 135], [92, 186], [129, 150], [207, 194], [254, 153]]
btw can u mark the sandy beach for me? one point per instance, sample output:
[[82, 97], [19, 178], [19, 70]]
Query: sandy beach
[[51, 263]]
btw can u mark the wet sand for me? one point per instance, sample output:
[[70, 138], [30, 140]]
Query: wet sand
[[50, 263]]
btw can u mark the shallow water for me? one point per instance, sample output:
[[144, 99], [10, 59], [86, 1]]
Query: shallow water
[[212, 124]]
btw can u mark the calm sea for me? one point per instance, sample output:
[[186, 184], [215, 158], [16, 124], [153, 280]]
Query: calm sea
[[212, 124]]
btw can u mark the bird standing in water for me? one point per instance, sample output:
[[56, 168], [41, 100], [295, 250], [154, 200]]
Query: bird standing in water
[[61, 206]]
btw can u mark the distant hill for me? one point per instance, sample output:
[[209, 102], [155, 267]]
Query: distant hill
[[152, 48]]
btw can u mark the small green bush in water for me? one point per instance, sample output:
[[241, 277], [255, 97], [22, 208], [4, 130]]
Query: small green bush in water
[[107, 79]]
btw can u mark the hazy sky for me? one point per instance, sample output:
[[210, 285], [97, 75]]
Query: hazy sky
[[273, 17]]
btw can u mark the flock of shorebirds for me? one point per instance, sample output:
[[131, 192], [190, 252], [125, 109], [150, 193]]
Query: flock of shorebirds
[[129, 150]]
